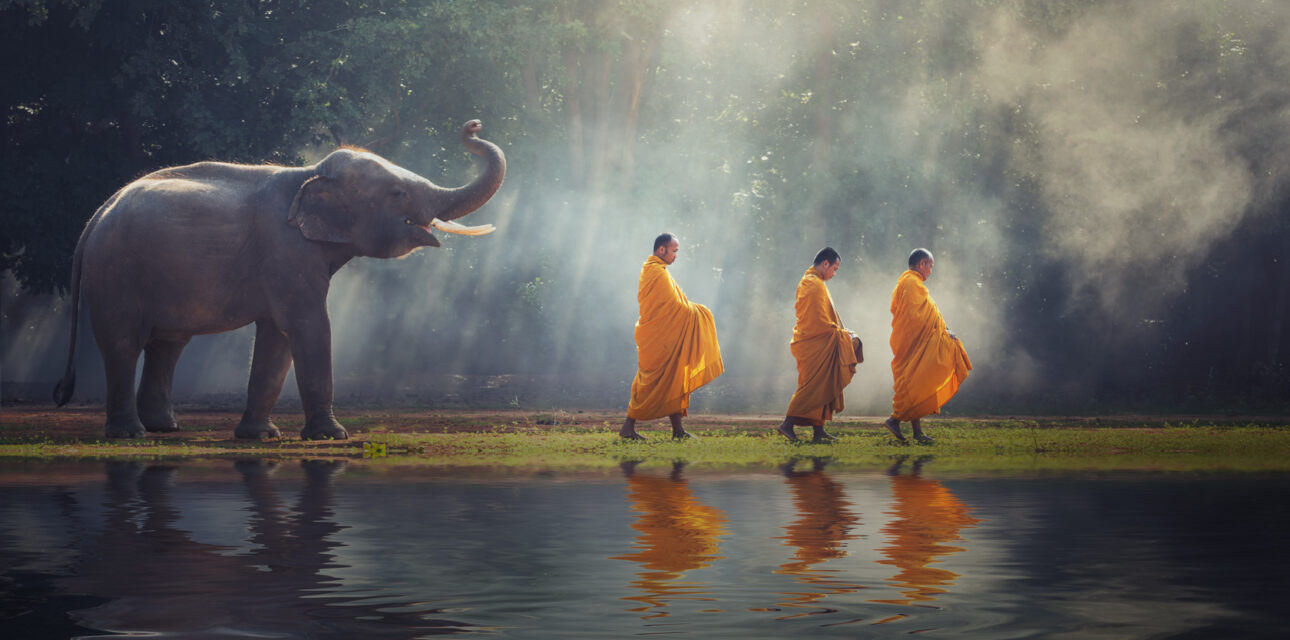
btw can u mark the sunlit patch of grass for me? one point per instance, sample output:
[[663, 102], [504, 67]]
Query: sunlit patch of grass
[[957, 447], [965, 446]]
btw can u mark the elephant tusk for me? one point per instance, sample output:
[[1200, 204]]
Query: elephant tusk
[[461, 229]]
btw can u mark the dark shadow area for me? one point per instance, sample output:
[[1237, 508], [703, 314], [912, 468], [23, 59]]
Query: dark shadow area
[[142, 573]]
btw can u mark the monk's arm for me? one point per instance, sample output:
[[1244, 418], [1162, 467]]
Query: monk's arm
[[814, 310], [659, 296], [911, 304]]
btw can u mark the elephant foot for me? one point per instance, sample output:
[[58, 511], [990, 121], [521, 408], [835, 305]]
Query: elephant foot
[[158, 421], [323, 471], [323, 429], [256, 469], [256, 430], [124, 428]]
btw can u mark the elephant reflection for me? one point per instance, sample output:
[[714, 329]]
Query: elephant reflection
[[158, 580], [823, 525], [927, 516], [677, 534]]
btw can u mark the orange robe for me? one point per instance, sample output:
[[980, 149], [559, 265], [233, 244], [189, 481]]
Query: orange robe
[[676, 346], [927, 517], [927, 364], [820, 533], [678, 533], [826, 359]]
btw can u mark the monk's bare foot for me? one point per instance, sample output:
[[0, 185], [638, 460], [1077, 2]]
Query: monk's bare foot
[[922, 438], [787, 431], [893, 426], [681, 435], [630, 435]]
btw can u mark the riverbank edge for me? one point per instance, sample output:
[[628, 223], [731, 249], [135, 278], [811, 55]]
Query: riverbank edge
[[587, 439]]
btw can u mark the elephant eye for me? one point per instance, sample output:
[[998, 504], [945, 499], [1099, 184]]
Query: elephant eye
[[399, 193]]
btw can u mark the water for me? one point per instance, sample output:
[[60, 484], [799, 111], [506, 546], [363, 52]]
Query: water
[[326, 549]]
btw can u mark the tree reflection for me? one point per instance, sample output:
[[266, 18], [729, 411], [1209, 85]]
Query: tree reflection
[[159, 580], [819, 533], [677, 534], [927, 516]]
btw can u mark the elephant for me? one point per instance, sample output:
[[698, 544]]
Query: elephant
[[213, 246]]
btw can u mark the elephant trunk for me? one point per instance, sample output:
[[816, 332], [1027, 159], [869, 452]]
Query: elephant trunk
[[466, 199]]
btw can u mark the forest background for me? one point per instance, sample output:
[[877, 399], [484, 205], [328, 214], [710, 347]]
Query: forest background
[[1103, 184]]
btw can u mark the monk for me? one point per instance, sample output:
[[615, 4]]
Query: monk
[[928, 361], [676, 346], [824, 349]]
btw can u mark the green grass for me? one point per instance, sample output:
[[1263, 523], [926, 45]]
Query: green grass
[[967, 446]]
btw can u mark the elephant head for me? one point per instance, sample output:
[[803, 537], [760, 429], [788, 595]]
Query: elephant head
[[383, 210]]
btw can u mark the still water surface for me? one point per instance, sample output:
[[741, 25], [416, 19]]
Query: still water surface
[[326, 549]]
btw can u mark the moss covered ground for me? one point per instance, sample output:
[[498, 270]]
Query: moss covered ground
[[568, 440]]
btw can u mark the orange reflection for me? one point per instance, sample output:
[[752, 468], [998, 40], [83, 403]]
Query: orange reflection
[[927, 516], [677, 534], [820, 532]]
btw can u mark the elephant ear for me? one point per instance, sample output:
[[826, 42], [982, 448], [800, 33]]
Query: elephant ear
[[319, 211]]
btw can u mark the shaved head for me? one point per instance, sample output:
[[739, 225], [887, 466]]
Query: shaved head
[[827, 254], [663, 240], [666, 246]]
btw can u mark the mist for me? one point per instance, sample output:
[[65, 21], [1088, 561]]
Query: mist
[[1074, 172]]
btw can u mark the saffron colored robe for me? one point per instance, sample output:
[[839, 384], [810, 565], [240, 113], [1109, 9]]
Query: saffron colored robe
[[826, 359], [678, 533], [676, 346], [927, 518], [820, 533], [927, 364]]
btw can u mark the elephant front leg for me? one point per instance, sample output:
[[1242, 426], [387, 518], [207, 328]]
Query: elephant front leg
[[269, 366], [310, 335], [156, 411]]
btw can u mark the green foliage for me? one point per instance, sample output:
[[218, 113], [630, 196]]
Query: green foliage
[[862, 124]]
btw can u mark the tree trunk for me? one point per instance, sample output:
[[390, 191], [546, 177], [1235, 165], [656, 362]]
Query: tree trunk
[[573, 115], [1278, 321], [532, 101], [823, 96], [637, 64], [601, 94]]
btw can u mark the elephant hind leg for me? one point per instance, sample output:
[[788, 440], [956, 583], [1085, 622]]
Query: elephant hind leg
[[120, 359], [156, 410]]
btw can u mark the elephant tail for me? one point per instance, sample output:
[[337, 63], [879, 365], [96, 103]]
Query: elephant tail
[[63, 390]]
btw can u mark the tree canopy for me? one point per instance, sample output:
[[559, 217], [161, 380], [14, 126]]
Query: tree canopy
[[1103, 182]]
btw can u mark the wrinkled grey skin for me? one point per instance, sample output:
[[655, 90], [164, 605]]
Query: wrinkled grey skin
[[213, 247]]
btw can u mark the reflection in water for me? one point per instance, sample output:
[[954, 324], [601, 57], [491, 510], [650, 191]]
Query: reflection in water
[[926, 515], [677, 534], [160, 581], [820, 532], [216, 551]]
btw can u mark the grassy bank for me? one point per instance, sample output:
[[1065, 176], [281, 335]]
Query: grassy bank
[[589, 441], [965, 447]]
